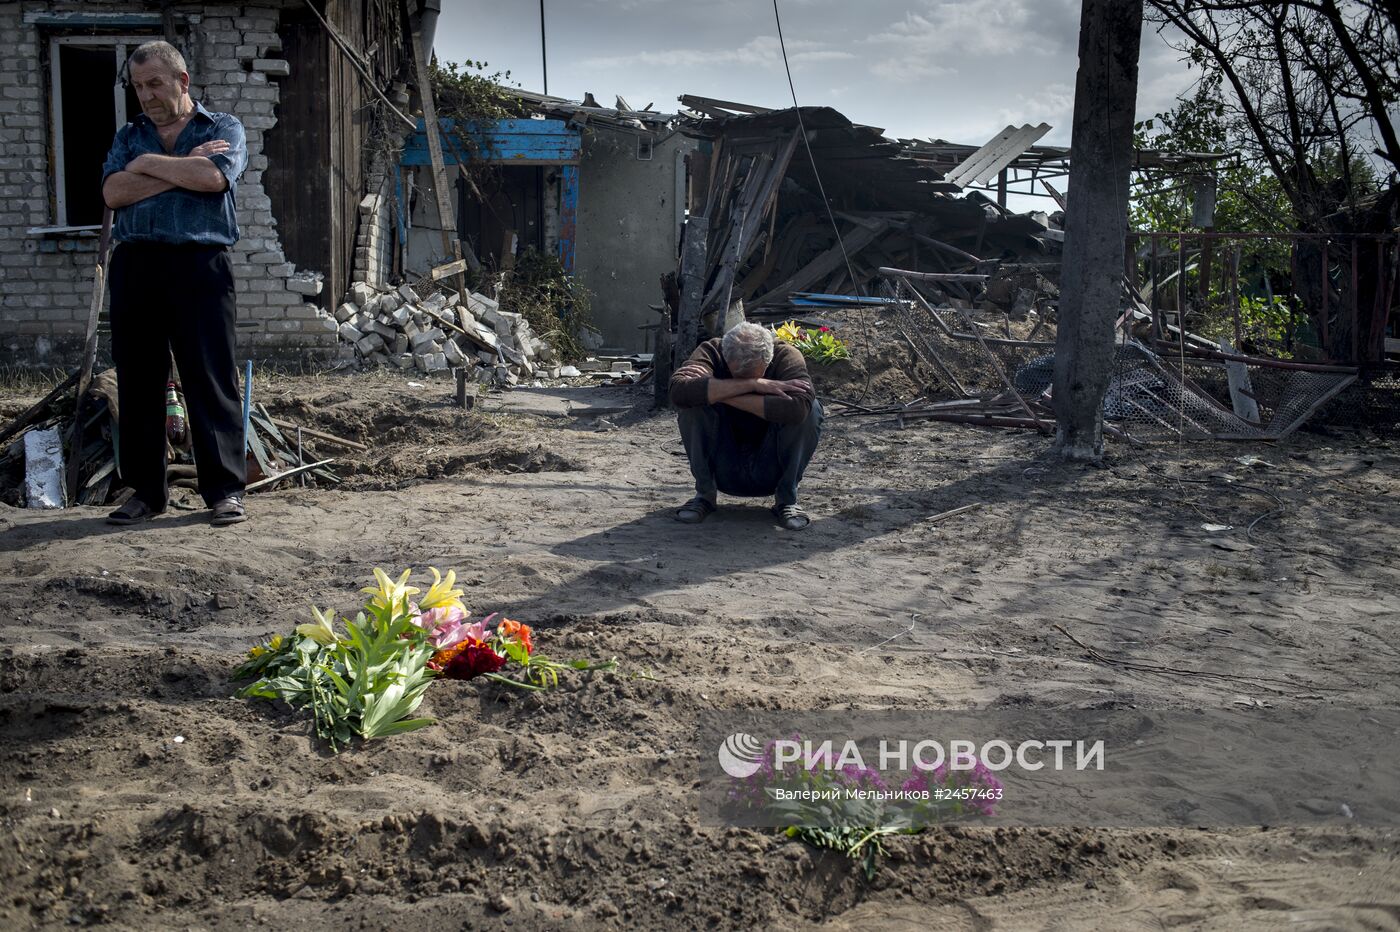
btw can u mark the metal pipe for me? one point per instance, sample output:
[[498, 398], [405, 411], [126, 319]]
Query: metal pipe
[[1235, 297], [1156, 316], [1354, 311], [1323, 335], [247, 403], [1181, 286], [1201, 353]]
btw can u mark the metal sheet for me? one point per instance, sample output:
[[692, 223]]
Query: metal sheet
[[987, 162]]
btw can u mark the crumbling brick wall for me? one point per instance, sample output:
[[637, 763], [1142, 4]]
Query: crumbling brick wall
[[234, 57]]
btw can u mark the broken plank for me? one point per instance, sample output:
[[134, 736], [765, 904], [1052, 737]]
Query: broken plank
[[321, 435], [451, 268], [827, 262]]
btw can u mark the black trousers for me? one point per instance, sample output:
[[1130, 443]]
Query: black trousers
[[772, 465], [176, 299]]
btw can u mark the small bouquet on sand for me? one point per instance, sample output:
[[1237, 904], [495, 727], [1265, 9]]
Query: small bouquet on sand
[[851, 808], [369, 680], [820, 344]]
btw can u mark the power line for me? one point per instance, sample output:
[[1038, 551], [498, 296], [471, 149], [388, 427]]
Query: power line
[[807, 143]]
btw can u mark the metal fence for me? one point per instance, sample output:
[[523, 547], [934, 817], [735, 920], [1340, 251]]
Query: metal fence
[[1271, 291]]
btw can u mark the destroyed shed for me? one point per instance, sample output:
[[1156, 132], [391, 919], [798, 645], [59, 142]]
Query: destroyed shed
[[603, 188]]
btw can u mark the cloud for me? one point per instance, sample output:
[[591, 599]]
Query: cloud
[[993, 28], [898, 71], [762, 52]]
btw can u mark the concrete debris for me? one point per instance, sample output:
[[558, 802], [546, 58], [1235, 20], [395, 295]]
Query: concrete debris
[[439, 330], [305, 283], [43, 469]]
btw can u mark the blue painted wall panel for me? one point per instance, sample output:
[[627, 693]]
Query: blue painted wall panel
[[504, 141], [568, 216]]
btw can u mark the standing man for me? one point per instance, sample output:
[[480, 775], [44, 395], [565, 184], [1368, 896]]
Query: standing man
[[171, 177], [750, 422]]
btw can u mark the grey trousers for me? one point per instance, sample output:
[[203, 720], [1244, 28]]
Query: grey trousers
[[773, 466]]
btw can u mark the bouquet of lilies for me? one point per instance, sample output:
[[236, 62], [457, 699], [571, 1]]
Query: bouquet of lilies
[[369, 680], [820, 344]]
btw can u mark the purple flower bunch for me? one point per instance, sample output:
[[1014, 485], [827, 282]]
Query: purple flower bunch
[[979, 778], [817, 770]]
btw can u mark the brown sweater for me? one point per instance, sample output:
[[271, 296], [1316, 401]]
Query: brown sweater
[[694, 391]]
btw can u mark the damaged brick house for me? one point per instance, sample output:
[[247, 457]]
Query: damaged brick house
[[280, 68], [322, 202]]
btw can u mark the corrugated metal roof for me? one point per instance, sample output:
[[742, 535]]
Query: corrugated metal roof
[[987, 162]]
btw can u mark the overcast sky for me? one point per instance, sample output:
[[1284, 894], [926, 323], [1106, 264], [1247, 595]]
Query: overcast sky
[[959, 70], [954, 69]]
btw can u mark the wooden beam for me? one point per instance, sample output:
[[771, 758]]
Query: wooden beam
[[708, 104], [936, 276], [451, 245], [692, 285], [828, 261]]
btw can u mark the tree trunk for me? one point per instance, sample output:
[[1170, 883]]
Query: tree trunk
[[1096, 222]]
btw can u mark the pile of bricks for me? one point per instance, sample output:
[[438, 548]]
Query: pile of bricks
[[439, 331]]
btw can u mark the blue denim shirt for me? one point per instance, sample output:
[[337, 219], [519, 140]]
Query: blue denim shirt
[[179, 215]]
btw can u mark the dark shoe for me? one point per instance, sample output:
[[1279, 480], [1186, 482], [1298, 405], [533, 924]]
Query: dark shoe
[[791, 517], [695, 510], [134, 511], [229, 511]]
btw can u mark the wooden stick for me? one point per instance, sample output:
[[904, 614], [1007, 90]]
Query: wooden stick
[[955, 511], [99, 286], [285, 475], [320, 435]]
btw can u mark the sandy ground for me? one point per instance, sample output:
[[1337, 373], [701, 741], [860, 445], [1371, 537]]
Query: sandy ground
[[574, 809]]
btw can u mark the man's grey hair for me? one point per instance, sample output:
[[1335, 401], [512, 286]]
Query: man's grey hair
[[161, 51], [747, 345]]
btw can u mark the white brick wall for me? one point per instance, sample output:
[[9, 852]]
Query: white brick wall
[[46, 281]]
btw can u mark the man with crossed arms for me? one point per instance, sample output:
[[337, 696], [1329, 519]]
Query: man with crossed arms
[[171, 178]]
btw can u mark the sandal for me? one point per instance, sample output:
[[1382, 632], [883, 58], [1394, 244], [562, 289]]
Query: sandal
[[791, 517], [695, 510], [229, 511], [134, 511]]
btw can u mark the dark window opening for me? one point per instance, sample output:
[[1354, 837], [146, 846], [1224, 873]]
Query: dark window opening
[[89, 106]]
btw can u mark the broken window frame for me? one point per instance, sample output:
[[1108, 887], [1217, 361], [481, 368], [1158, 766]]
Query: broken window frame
[[122, 45]]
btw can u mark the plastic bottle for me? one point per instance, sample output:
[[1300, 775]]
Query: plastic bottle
[[175, 429]]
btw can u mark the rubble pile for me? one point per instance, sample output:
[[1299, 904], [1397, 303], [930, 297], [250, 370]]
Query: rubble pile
[[439, 331]]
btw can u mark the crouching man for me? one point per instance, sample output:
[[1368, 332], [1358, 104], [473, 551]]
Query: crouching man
[[750, 422]]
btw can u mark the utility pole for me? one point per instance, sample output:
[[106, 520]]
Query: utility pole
[[544, 54], [1096, 221]]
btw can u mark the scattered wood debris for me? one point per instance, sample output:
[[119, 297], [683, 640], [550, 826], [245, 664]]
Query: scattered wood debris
[[42, 439]]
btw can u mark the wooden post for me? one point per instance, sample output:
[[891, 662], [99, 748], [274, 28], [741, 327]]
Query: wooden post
[[663, 364], [99, 285], [692, 283], [451, 246]]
